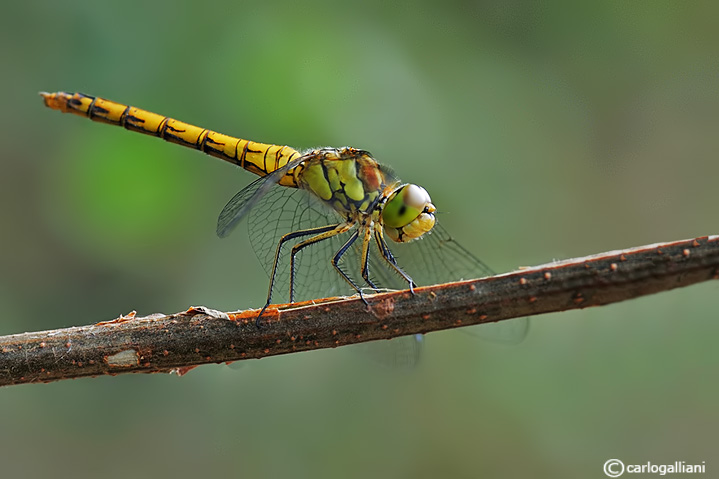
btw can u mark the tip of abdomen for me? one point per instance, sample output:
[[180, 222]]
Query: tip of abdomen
[[51, 100], [57, 100]]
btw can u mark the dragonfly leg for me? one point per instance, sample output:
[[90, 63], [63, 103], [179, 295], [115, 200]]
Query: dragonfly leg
[[283, 240], [262, 311], [335, 263], [366, 278], [389, 257], [365, 258], [323, 233]]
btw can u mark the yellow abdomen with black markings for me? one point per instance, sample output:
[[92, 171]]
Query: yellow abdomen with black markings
[[258, 158]]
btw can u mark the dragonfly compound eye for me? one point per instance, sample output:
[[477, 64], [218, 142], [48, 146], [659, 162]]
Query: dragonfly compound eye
[[408, 213]]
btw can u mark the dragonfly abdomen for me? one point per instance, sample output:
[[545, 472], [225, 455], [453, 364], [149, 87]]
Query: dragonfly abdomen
[[258, 158]]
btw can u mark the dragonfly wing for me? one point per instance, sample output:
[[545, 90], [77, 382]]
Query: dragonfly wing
[[438, 258], [283, 210], [238, 206], [241, 204], [399, 353]]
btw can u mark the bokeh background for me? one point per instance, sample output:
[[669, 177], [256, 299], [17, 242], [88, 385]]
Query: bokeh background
[[543, 130]]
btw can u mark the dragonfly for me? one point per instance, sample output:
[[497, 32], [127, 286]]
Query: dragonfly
[[318, 220]]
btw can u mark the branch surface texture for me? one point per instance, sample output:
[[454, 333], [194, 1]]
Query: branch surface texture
[[179, 342]]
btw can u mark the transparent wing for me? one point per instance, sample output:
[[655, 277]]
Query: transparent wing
[[401, 353], [438, 258], [236, 208], [281, 211], [244, 201], [434, 258]]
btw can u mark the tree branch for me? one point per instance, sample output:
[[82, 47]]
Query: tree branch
[[178, 342]]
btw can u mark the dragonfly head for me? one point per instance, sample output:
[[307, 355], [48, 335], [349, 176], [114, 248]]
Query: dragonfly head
[[408, 213]]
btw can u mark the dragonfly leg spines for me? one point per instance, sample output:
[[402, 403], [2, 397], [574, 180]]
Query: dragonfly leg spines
[[364, 266], [322, 233], [336, 265], [285, 238], [390, 259]]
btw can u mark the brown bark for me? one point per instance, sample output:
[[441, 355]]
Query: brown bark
[[178, 342]]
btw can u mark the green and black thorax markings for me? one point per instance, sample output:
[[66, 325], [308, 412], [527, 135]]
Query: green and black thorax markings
[[347, 179]]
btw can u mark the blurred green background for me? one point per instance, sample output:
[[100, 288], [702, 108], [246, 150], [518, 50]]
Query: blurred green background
[[543, 130]]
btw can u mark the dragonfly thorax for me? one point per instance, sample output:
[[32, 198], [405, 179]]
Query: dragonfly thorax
[[347, 179], [408, 213], [353, 184]]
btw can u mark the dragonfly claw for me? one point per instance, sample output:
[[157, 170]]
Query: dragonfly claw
[[361, 295], [259, 316]]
